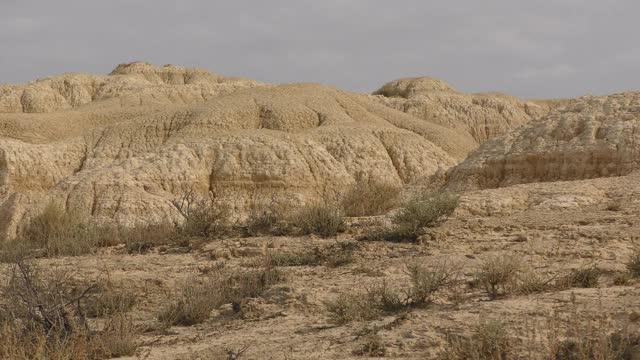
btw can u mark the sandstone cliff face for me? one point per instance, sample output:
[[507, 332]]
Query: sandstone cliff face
[[121, 147], [588, 137], [482, 116]]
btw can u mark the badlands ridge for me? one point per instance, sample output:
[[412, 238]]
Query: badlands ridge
[[122, 147]]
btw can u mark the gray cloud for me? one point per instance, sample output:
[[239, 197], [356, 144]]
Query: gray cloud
[[552, 48]]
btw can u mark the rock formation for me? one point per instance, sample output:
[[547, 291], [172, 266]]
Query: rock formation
[[121, 147], [134, 84], [588, 137], [482, 116]]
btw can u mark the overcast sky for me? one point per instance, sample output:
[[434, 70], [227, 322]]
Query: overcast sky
[[544, 48]]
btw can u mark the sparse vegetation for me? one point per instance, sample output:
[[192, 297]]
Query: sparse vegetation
[[371, 346], [489, 341], [367, 198], [270, 218], [41, 316], [325, 219], [198, 296], [381, 298], [338, 254], [498, 273], [633, 264], [109, 299], [531, 281], [614, 205], [396, 233], [142, 238], [425, 210], [584, 277], [59, 232], [204, 216]]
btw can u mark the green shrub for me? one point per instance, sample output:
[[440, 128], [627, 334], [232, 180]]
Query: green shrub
[[370, 198]]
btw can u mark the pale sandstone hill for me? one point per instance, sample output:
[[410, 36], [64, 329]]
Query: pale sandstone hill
[[124, 157], [482, 116], [135, 84], [589, 137]]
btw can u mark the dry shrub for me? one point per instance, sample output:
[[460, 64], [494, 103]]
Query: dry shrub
[[583, 334], [380, 298], [268, 218], [335, 255], [426, 281], [325, 219], [352, 307], [489, 341], [615, 205], [396, 233], [198, 296], [59, 232], [533, 282], [139, 239], [498, 273], [584, 277], [41, 317], [109, 299], [370, 346], [203, 216], [426, 210], [633, 264], [370, 198]]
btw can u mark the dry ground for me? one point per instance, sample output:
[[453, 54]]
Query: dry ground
[[290, 320]]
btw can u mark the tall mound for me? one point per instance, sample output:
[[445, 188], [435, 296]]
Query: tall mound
[[125, 158], [135, 83], [481, 116], [588, 137]]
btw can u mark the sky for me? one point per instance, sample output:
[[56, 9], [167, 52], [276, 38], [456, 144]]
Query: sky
[[531, 49]]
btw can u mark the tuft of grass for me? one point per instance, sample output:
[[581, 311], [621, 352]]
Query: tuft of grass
[[324, 219], [426, 210], [497, 274], [370, 198]]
